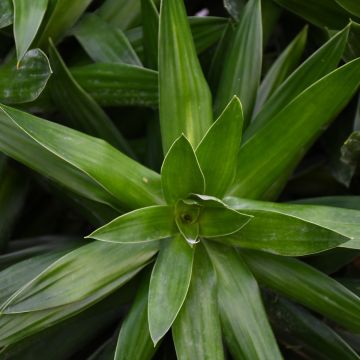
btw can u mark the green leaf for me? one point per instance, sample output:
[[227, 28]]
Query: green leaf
[[180, 172], [196, 330], [118, 84], [281, 68], [244, 322], [185, 98], [135, 187], [316, 66], [242, 63], [346, 201], [218, 150], [28, 16], [187, 213], [266, 159], [139, 226], [351, 6], [344, 222], [96, 266], [301, 330], [79, 107], [103, 42], [306, 286], [169, 284], [352, 50], [63, 16], [234, 8], [6, 13], [322, 13], [293, 230], [150, 19], [19, 145], [25, 82], [134, 341]]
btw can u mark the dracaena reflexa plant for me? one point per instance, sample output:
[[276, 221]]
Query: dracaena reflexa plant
[[206, 230]]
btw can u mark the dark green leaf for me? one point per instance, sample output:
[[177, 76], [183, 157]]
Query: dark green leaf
[[100, 161], [28, 16], [169, 284], [180, 172], [6, 13], [139, 226], [281, 68], [25, 82], [118, 84], [79, 107], [242, 64], [234, 8], [218, 151], [244, 322], [306, 286], [96, 266], [103, 42], [185, 98], [267, 159], [196, 330], [351, 6]]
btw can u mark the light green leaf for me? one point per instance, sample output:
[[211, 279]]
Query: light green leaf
[[244, 322], [242, 62], [134, 341], [345, 201], [6, 13], [79, 107], [28, 16], [267, 159], [180, 172], [342, 222], [196, 330], [306, 286], [351, 6], [25, 82], [169, 284], [323, 13], [185, 98], [150, 19], [218, 150], [281, 68], [293, 229], [316, 66], [135, 187], [118, 84], [139, 226], [63, 16], [187, 214], [103, 42], [92, 267], [304, 331]]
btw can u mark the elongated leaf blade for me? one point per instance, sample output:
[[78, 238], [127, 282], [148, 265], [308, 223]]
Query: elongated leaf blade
[[180, 172], [246, 329], [169, 284], [25, 82], [352, 7], [6, 13], [79, 107], [242, 66], [185, 98], [94, 266], [275, 157], [150, 19], [344, 201], [280, 69], [141, 225], [63, 16], [218, 151], [340, 222], [323, 61], [134, 341], [103, 42], [300, 329], [196, 330], [306, 286], [69, 145], [28, 16], [118, 84]]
